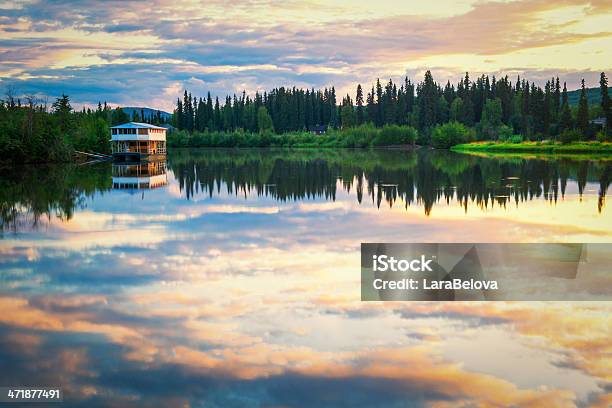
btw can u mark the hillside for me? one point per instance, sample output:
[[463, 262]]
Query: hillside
[[148, 112], [593, 96]]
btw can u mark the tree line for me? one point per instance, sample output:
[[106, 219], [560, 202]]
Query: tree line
[[487, 108], [32, 130], [490, 105]]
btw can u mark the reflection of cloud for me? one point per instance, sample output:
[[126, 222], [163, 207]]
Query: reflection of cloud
[[215, 299], [220, 347]]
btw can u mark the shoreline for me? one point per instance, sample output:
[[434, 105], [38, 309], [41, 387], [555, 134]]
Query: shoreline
[[599, 148]]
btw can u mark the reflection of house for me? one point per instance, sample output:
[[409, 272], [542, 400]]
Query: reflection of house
[[318, 129], [138, 141], [145, 175], [598, 122]]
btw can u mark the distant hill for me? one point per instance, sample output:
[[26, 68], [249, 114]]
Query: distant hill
[[593, 96], [148, 112]]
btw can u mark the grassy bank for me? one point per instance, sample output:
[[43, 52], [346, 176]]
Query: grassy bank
[[536, 147], [356, 137]]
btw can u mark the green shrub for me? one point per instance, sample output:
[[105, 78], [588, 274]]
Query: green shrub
[[504, 132], [449, 134], [360, 136], [602, 136], [570, 135], [395, 135], [515, 139]]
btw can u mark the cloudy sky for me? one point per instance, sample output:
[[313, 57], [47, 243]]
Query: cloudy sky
[[147, 52]]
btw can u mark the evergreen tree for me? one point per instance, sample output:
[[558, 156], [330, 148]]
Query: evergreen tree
[[606, 105], [348, 116], [456, 110], [428, 101], [467, 112], [264, 121], [217, 115], [201, 116], [119, 117], [491, 117], [359, 100], [565, 121], [62, 110], [547, 108], [556, 100], [582, 116], [178, 115], [379, 104], [371, 107]]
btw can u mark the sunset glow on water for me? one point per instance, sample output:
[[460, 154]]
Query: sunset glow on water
[[226, 287]]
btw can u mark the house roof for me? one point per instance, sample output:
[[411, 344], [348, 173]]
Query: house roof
[[316, 128], [136, 125], [598, 121]]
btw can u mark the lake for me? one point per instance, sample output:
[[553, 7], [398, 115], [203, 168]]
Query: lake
[[232, 278]]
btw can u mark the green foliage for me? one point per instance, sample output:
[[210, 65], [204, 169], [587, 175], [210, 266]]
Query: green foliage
[[281, 117], [565, 120], [570, 136], [604, 148], [91, 133], [491, 118], [119, 116], [482, 102], [348, 117], [603, 136], [515, 139], [582, 117], [62, 110], [264, 120], [449, 134], [606, 103], [504, 132], [395, 135], [28, 133], [456, 109], [360, 136]]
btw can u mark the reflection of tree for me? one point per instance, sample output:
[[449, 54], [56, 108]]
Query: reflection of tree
[[426, 177], [31, 192]]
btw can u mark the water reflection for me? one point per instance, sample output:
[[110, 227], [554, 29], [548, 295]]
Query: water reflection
[[423, 179], [145, 175], [29, 195], [237, 282]]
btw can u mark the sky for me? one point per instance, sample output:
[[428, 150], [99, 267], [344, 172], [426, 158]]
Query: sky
[[145, 53]]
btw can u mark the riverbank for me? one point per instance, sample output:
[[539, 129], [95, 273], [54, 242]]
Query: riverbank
[[536, 147], [354, 137]]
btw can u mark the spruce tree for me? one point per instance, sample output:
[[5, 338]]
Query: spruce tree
[[379, 104], [556, 100], [359, 100], [62, 110], [565, 120], [606, 105], [371, 107], [178, 115], [582, 116]]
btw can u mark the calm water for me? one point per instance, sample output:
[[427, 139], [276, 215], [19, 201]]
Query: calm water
[[231, 278]]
